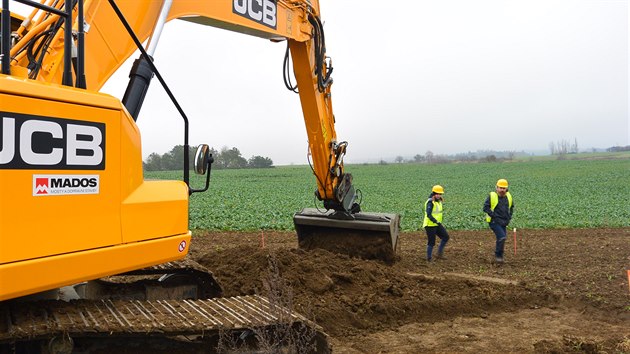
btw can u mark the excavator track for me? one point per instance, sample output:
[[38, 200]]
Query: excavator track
[[174, 307], [23, 325], [184, 279]]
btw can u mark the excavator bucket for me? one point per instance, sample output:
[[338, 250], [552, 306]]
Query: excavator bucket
[[364, 235]]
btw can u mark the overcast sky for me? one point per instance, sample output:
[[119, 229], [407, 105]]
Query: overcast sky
[[447, 76]]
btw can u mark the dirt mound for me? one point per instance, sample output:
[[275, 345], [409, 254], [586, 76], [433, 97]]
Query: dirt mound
[[347, 296], [564, 290]]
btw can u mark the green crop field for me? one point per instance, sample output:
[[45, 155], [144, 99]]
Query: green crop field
[[547, 194]]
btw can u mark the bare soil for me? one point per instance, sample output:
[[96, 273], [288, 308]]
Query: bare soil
[[561, 291]]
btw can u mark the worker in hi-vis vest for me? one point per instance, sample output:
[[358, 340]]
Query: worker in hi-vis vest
[[433, 222], [499, 207]]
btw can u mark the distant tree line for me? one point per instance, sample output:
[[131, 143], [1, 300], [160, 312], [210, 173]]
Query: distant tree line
[[224, 159], [479, 156], [618, 148]]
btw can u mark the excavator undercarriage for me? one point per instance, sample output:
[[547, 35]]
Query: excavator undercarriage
[[148, 325], [171, 307]]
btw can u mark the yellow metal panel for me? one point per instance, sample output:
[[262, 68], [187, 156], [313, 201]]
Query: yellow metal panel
[[38, 226], [291, 21], [131, 176], [155, 209], [54, 92], [107, 43], [27, 277], [150, 209]]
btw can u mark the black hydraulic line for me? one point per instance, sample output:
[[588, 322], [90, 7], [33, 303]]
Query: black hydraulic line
[[81, 82], [6, 38], [323, 49], [67, 17], [67, 45], [286, 72], [163, 83], [320, 53], [42, 7], [34, 64]]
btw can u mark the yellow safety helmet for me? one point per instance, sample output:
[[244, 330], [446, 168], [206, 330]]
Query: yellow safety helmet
[[438, 189], [502, 183]]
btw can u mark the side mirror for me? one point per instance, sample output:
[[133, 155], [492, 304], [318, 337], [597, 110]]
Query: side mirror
[[203, 164], [201, 159]]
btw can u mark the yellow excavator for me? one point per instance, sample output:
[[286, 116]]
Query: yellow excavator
[[79, 223]]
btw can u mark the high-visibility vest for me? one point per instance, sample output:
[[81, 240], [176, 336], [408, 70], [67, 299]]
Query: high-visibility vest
[[494, 200], [436, 212]]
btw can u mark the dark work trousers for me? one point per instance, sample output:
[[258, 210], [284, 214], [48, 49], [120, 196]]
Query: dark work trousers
[[500, 232], [440, 231]]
